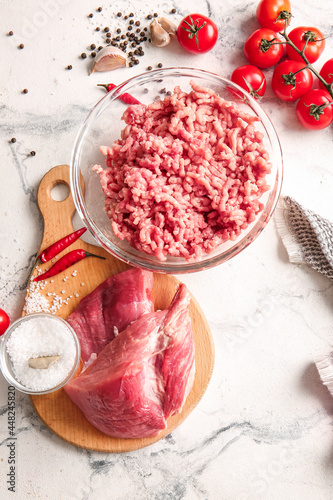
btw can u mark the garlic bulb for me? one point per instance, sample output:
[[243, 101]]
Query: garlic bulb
[[108, 59]]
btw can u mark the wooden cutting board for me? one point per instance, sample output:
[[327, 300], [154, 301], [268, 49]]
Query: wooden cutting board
[[56, 410]]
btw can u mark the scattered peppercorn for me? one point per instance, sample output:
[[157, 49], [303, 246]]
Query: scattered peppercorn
[[137, 23], [131, 21], [98, 28], [149, 16], [99, 9], [131, 14], [25, 91], [93, 54], [91, 15], [169, 93], [69, 66], [173, 11], [123, 37], [10, 33], [106, 29], [163, 91], [149, 68], [118, 14], [93, 46], [21, 46], [32, 153], [13, 139], [108, 35], [145, 28], [129, 28], [131, 64], [83, 55], [125, 17], [155, 14], [160, 65]]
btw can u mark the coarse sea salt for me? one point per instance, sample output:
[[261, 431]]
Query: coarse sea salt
[[41, 336]]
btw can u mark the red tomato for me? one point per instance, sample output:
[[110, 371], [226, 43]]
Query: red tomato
[[271, 14], [197, 33], [327, 72], [314, 47], [313, 110], [263, 48], [251, 79], [4, 321], [290, 81]]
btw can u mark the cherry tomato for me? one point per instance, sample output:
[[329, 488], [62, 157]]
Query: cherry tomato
[[4, 321], [271, 14], [251, 79], [197, 33], [263, 48], [327, 72], [290, 81], [314, 47], [313, 110]]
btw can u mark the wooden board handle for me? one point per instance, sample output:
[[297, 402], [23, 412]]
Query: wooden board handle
[[57, 215]]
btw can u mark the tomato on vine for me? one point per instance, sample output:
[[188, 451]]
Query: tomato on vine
[[251, 79], [263, 48], [314, 110], [197, 33], [326, 72], [273, 14], [311, 38], [4, 321], [291, 79]]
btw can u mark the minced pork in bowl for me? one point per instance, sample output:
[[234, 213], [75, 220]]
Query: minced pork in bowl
[[182, 181]]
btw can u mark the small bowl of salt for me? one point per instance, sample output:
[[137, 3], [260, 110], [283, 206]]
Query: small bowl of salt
[[39, 353]]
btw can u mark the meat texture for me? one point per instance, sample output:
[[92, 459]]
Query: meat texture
[[110, 308], [143, 376]]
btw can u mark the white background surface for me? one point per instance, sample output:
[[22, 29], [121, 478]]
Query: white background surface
[[263, 430]]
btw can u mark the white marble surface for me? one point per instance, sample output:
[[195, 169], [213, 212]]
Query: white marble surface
[[263, 430]]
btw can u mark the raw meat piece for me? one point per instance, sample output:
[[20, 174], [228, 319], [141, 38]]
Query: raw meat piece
[[110, 308], [142, 377]]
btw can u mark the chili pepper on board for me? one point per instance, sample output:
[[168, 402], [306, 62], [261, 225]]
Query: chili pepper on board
[[125, 98], [66, 261], [60, 245]]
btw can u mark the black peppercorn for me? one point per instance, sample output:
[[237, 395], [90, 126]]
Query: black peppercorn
[[123, 37], [145, 28], [131, 64], [108, 35], [13, 139], [83, 55], [93, 46], [91, 15], [131, 21], [93, 54], [160, 65], [131, 14], [118, 14], [98, 28], [99, 9], [69, 66], [100, 48], [129, 28], [125, 17], [25, 91], [173, 11], [155, 14], [10, 33], [106, 29], [32, 153], [21, 46]]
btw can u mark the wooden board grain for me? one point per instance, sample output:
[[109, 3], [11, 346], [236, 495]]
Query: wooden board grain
[[56, 410]]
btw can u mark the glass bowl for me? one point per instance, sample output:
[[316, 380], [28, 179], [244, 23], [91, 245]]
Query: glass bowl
[[103, 126], [7, 366]]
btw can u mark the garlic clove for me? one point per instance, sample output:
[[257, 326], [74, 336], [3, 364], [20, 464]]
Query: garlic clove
[[159, 37], [167, 25], [108, 59]]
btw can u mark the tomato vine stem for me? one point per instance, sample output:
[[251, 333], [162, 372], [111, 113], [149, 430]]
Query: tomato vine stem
[[328, 86]]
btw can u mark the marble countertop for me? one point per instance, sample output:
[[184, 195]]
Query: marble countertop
[[263, 429]]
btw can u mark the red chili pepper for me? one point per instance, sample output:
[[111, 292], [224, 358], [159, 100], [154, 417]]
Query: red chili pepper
[[66, 261], [60, 245], [125, 98]]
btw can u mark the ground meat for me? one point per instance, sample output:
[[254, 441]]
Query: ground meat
[[186, 175]]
